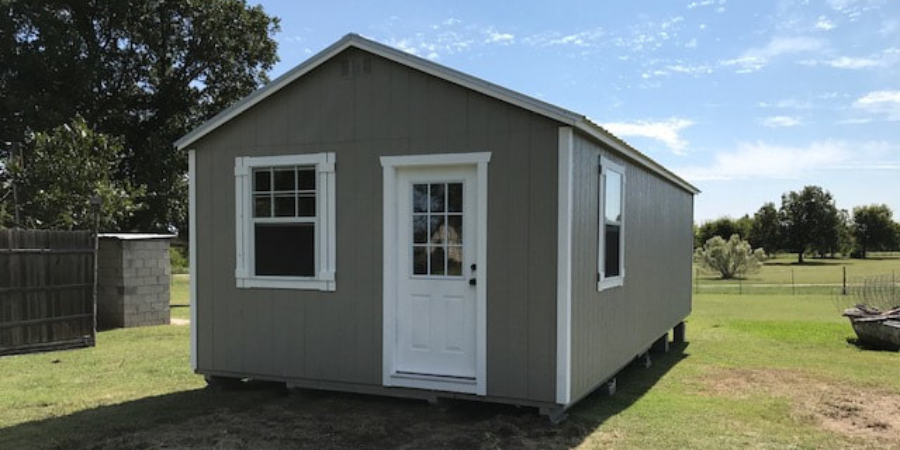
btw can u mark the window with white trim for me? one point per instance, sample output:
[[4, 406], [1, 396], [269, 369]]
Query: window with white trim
[[611, 230], [285, 224]]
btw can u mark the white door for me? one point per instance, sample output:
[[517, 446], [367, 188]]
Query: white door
[[436, 257]]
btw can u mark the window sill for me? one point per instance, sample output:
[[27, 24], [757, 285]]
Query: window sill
[[610, 283], [308, 284]]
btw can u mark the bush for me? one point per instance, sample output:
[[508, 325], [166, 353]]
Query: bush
[[731, 258], [178, 259]]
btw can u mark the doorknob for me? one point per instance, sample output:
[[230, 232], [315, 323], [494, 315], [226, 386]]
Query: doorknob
[[473, 281]]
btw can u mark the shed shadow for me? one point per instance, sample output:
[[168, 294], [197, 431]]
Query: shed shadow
[[258, 415], [633, 382]]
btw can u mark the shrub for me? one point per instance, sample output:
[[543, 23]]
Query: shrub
[[178, 260], [731, 258]]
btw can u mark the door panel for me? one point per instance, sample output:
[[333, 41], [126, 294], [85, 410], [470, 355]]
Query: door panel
[[436, 304]]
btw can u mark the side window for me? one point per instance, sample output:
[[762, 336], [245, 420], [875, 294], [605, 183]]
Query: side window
[[284, 222], [611, 229]]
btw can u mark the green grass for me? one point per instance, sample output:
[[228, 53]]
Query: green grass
[[179, 299], [793, 336], [734, 385]]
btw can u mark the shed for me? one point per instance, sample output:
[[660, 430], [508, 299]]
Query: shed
[[133, 279], [375, 222]]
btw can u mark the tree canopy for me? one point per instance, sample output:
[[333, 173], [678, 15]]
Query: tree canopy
[[765, 232], [810, 221], [146, 72], [874, 228], [64, 169]]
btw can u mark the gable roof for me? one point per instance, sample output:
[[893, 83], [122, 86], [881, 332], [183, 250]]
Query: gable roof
[[573, 119]]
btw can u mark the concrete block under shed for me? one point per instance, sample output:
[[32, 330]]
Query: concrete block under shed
[[134, 280]]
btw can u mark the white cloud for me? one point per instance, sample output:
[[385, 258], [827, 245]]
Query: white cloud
[[782, 46], [855, 8], [691, 44], [880, 103], [495, 37], [786, 103], [780, 121], [665, 131], [756, 58], [845, 62], [825, 24], [760, 160], [703, 3]]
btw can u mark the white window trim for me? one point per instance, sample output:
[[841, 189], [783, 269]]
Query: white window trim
[[325, 222], [604, 282]]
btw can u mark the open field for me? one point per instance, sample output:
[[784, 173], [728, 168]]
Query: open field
[[762, 371], [782, 275]]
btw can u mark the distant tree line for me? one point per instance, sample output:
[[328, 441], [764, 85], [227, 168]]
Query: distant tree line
[[809, 223]]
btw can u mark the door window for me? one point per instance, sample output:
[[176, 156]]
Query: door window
[[437, 228]]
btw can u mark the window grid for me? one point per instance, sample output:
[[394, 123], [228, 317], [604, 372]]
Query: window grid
[[439, 211], [270, 194]]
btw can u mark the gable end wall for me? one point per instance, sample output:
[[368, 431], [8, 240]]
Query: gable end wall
[[337, 337]]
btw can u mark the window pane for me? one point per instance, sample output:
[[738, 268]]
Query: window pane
[[436, 230], [437, 197], [455, 197], [284, 205], [262, 205], [420, 198], [262, 179], [454, 230], [420, 260], [306, 179], [284, 179], [454, 261], [437, 260], [306, 205], [612, 242], [613, 198], [285, 249], [420, 229]]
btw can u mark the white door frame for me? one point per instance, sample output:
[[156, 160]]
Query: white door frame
[[390, 165]]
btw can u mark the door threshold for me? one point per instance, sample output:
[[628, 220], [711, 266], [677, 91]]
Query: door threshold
[[433, 377]]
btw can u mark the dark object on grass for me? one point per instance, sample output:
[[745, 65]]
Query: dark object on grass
[[875, 328]]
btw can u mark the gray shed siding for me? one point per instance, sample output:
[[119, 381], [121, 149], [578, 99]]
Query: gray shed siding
[[337, 336], [611, 327]]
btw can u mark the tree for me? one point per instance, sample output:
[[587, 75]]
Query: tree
[[731, 258], [723, 227], [765, 232], [145, 71], [874, 228], [809, 221], [63, 168]]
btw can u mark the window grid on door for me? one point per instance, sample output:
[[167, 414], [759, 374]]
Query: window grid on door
[[437, 228]]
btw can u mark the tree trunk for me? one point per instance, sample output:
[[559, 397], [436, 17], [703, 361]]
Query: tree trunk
[[800, 255]]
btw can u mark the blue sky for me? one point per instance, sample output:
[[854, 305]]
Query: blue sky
[[746, 99]]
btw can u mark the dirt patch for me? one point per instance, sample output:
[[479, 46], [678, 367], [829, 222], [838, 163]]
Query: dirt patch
[[316, 420], [870, 415], [181, 322]]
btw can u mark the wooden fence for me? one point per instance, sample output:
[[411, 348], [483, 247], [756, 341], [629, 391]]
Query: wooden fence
[[46, 290]]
